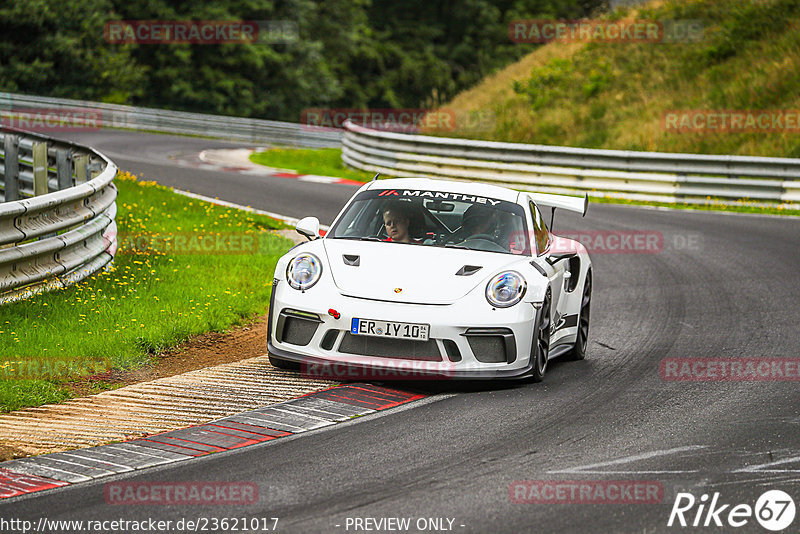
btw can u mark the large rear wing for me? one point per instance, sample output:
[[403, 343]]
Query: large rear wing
[[576, 204]]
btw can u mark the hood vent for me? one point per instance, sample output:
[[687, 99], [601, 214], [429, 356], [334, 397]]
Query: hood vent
[[351, 259], [468, 270]]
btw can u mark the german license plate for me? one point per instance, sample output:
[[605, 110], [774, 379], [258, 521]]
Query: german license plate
[[371, 327]]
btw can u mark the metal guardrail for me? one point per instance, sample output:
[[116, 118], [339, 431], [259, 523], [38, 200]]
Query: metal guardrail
[[652, 176], [57, 222], [179, 122]]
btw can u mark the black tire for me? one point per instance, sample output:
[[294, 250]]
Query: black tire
[[283, 364], [578, 351], [540, 348]]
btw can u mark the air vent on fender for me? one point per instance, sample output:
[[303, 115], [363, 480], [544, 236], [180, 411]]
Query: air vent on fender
[[351, 259], [468, 270]]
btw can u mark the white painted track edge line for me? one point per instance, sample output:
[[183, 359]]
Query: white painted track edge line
[[284, 218]]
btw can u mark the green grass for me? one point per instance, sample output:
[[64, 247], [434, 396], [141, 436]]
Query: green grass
[[710, 205], [320, 161], [614, 94], [154, 297], [18, 393]]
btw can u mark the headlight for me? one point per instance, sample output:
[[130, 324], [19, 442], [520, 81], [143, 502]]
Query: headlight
[[303, 271], [505, 289]]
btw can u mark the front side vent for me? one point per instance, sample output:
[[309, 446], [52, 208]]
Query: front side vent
[[352, 260], [468, 270], [492, 345], [296, 327]]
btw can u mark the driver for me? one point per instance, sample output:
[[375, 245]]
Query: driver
[[479, 221], [397, 220]]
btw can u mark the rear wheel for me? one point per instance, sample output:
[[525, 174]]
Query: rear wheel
[[540, 349], [578, 351]]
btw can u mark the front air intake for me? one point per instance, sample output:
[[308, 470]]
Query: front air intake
[[297, 328], [492, 345], [450, 347], [380, 347], [329, 340]]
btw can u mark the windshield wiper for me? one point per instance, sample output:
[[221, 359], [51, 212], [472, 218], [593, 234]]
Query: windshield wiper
[[453, 245]]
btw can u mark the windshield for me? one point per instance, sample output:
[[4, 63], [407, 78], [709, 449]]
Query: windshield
[[436, 219]]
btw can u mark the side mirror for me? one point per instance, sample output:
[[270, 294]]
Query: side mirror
[[309, 227]]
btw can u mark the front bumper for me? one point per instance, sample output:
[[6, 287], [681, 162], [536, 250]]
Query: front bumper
[[316, 367], [323, 345]]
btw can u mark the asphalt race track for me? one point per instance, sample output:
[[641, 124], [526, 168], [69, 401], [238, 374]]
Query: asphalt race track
[[155, 157], [723, 286]]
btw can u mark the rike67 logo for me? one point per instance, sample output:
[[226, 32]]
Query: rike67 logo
[[774, 510]]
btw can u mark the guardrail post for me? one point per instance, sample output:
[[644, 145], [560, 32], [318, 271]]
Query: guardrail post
[[81, 169], [40, 169], [11, 171], [63, 169], [95, 168]]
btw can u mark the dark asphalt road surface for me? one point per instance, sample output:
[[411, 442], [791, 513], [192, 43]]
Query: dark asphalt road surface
[[723, 286], [154, 157]]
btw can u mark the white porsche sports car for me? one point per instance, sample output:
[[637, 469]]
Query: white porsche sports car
[[421, 278]]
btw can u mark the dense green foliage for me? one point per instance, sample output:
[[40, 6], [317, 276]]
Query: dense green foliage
[[350, 53]]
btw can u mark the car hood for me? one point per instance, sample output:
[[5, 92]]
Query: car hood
[[425, 275]]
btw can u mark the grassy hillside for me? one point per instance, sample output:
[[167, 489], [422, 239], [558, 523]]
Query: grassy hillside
[[614, 94]]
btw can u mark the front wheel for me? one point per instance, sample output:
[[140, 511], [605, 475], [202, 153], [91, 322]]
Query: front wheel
[[578, 351], [540, 348]]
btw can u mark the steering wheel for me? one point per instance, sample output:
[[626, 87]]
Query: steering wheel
[[483, 242], [486, 237]]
